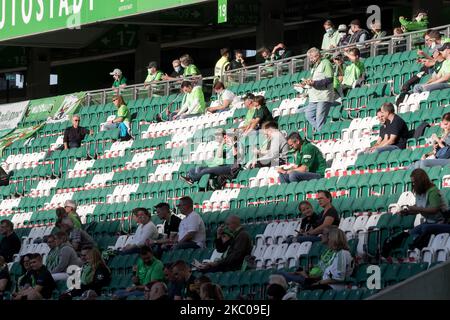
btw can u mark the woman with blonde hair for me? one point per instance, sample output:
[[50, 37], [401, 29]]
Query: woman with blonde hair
[[122, 121]]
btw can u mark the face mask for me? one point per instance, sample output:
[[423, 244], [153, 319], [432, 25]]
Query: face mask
[[178, 69], [329, 30], [281, 52]]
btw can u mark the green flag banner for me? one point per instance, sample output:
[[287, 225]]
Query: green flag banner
[[41, 109], [67, 106], [10, 116], [18, 134]]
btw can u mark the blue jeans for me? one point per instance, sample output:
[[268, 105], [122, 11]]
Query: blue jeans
[[198, 172], [419, 88], [123, 294], [298, 176], [387, 148], [430, 228], [316, 113], [428, 163]]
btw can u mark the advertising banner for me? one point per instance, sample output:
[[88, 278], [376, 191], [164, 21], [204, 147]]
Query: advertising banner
[[10, 116], [18, 134], [67, 106]]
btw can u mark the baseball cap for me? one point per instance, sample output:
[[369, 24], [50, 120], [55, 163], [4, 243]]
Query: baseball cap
[[152, 64], [70, 203], [444, 46], [116, 72], [342, 27]]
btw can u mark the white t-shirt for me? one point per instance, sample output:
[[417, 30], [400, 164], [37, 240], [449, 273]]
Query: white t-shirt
[[193, 223], [339, 269], [144, 232]]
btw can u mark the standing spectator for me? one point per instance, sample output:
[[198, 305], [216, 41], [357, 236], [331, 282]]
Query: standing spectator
[[224, 98], [42, 283], [354, 73], [190, 69], [193, 101], [146, 230], [5, 279], [280, 52], [239, 61], [261, 115], [248, 103], [321, 92], [440, 156], [274, 150], [156, 291], [66, 257], [75, 134], [378, 33], [331, 37], [191, 233], [338, 61], [148, 269], [222, 65], [431, 204], [419, 22], [266, 55], [183, 282], [358, 34], [442, 79], [211, 291], [10, 243], [154, 75], [309, 161], [234, 242], [52, 256], [121, 121], [120, 81], [344, 37]]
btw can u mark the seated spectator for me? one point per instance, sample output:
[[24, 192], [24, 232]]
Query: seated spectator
[[156, 291], [335, 264], [146, 230], [309, 161], [433, 42], [310, 219], [358, 34], [177, 72], [441, 80], [120, 81], [328, 217], [190, 69], [222, 65], [331, 37], [191, 233], [122, 121], [193, 102], [431, 204], [440, 156], [10, 243], [354, 73], [261, 115], [5, 279], [52, 256], [395, 133], [183, 282], [41, 282], [78, 238], [4, 177], [239, 61], [378, 33], [344, 37], [248, 103], [234, 242], [280, 52], [67, 256], [148, 269], [224, 98], [274, 150], [382, 133], [24, 280], [171, 226], [419, 22], [211, 291], [154, 75], [277, 292], [320, 92], [195, 288], [75, 134]]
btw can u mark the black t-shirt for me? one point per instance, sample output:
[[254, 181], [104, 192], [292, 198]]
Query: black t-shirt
[[235, 65], [309, 223], [75, 135], [4, 274], [43, 278], [332, 212], [9, 246], [382, 131], [264, 115], [101, 279], [172, 225], [175, 74], [186, 290], [398, 128]]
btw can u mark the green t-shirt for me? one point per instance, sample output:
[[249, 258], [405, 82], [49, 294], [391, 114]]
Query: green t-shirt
[[75, 220], [149, 273], [445, 69], [124, 112], [249, 116], [352, 73], [311, 157], [219, 157], [263, 114], [154, 77], [120, 82], [193, 102], [330, 40], [191, 70], [322, 71]]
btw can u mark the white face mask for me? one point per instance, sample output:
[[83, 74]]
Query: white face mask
[[329, 30], [433, 45]]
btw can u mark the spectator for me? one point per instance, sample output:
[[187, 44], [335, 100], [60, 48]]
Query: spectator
[[120, 81], [239, 61], [178, 70], [190, 69], [261, 115], [419, 22], [380, 118], [195, 288], [433, 41], [5, 279], [52, 256], [321, 93], [398, 33], [310, 219], [75, 134], [280, 52], [41, 284], [171, 226], [156, 291], [66, 257], [78, 238], [395, 134], [224, 98], [191, 233], [274, 150], [146, 230], [248, 103], [328, 217], [234, 242], [266, 55], [148, 269], [193, 101], [440, 156], [335, 264], [184, 282], [442, 79], [331, 37], [344, 37], [222, 65], [4, 177], [309, 161], [358, 34], [69, 211], [154, 75], [211, 291], [354, 73], [10, 243], [378, 33], [121, 121], [338, 60], [431, 204], [24, 280]]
